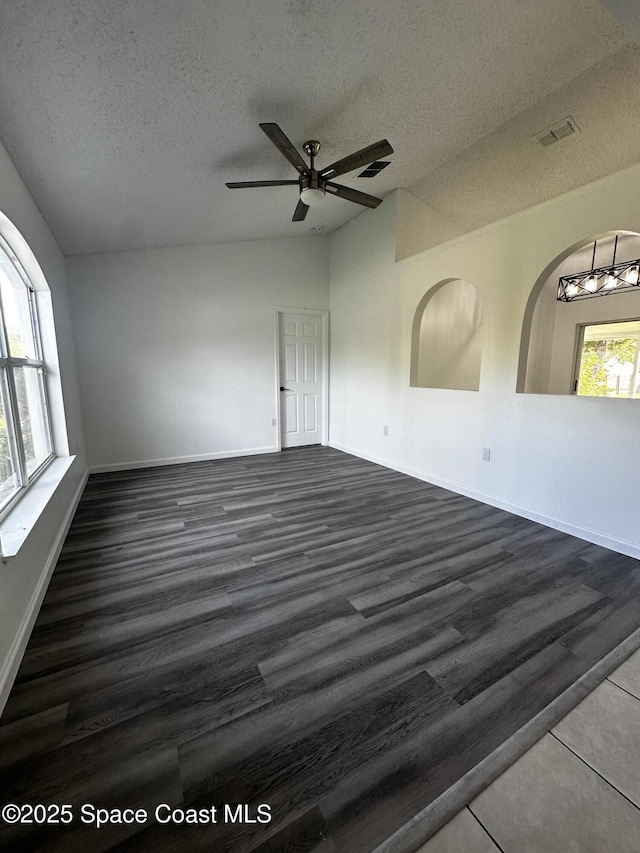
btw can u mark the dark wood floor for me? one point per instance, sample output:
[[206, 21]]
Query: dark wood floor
[[304, 630]]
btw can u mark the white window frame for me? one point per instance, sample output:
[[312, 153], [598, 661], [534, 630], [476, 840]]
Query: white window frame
[[580, 333], [8, 366]]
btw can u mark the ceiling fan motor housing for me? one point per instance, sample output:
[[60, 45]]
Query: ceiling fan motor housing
[[312, 188], [312, 181]]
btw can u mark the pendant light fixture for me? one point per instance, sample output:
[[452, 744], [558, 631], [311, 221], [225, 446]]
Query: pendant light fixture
[[603, 281]]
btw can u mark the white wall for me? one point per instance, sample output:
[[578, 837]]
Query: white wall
[[365, 340], [176, 346], [552, 457], [541, 343], [419, 226], [23, 578]]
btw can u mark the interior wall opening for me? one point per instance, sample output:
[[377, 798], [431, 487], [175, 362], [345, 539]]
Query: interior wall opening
[[586, 347]]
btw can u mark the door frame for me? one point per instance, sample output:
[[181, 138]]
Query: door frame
[[317, 312]]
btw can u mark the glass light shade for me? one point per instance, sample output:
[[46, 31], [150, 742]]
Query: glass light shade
[[572, 289], [591, 284], [312, 196], [610, 281], [632, 275]]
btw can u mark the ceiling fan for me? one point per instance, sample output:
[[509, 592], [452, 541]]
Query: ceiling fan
[[314, 183]]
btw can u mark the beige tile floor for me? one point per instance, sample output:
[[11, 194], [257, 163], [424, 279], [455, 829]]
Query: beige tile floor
[[577, 790]]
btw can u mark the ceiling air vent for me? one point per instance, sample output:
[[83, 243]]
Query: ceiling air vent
[[558, 131], [374, 169]]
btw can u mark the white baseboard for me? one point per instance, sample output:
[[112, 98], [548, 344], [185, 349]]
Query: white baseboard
[[622, 546], [15, 654], [180, 460]]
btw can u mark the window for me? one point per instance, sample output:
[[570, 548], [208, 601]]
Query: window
[[25, 428], [607, 363]]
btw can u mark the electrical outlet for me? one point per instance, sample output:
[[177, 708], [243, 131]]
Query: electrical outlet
[[385, 430], [486, 454], [274, 422]]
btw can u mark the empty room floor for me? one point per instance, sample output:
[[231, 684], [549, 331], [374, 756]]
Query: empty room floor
[[306, 631]]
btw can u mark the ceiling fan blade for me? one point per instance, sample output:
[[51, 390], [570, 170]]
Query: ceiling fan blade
[[353, 195], [285, 146], [360, 158], [300, 212], [235, 185]]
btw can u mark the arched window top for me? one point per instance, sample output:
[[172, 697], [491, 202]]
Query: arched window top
[[446, 344], [20, 251]]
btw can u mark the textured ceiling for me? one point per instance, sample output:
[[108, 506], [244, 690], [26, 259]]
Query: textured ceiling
[[126, 119], [508, 170]]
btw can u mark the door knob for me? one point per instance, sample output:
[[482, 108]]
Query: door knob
[[282, 388]]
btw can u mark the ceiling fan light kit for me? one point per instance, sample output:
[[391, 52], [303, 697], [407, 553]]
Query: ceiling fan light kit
[[312, 183], [312, 196]]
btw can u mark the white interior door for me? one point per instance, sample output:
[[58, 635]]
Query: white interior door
[[301, 386]]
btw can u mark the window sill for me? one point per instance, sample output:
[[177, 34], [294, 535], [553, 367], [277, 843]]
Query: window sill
[[21, 520]]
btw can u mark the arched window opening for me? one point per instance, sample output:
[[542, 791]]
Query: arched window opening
[[26, 444], [586, 347], [446, 346]]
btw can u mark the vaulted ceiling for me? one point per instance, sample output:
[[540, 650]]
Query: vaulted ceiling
[[125, 119]]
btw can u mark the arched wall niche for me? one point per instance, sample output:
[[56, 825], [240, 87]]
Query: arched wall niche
[[446, 338], [550, 329]]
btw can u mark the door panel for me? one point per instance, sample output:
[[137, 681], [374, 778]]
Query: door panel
[[310, 363], [291, 363], [310, 408], [291, 414], [301, 376]]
